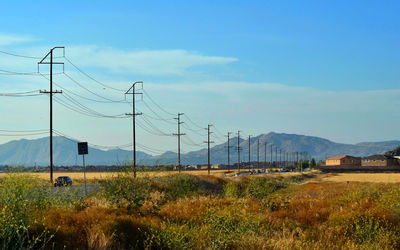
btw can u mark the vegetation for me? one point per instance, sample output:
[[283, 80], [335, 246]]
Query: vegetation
[[200, 212]]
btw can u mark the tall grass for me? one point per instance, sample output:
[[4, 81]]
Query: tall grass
[[201, 212]]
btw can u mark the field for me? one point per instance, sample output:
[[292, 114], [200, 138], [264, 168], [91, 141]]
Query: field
[[95, 177], [177, 211]]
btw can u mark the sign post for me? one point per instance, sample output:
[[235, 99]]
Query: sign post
[[83, 150]]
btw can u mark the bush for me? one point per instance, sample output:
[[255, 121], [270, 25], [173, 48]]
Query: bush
[[259, 188], [20, 197], [181, 186], [126, 190], [232, 190], [171, 236]]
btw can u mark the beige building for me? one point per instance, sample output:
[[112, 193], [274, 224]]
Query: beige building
[[343, 160]]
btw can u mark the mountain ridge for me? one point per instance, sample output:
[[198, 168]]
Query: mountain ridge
[[27, 152]]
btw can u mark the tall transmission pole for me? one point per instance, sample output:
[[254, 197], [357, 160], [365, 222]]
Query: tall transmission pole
[[51, 92], [229, 157], [208, 146], [238, 148], [280, 157], [258, 153], [271, 157], [287, 159], [276, 156], [297, 160], [265, 157], [133, 114], [179, 139], [249, 153]]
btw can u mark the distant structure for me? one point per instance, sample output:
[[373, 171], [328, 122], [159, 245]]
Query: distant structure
[[379, 161], [373, 163], [343, 160]]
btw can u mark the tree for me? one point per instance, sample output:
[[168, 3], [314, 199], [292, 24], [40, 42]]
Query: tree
[[313, 164]]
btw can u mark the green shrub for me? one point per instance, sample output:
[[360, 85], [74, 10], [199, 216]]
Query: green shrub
[[232, 190], [259, 188], [20, 197], [171, 236], [181, 186], [126, 190]]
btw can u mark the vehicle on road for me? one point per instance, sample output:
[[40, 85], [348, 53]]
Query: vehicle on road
[[63, 181], [285, 170]]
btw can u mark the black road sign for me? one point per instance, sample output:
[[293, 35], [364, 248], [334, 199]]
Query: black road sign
[[82, 148]]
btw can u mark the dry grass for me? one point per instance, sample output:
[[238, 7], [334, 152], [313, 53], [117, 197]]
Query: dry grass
[[96, 176], [361, 177]]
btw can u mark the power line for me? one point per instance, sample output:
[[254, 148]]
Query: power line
[[151, 99], [90, 77], [80, 85], [25, 134], [17, 55]]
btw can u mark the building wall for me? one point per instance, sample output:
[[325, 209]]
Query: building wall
[[374, 163], [379, 163], [332, 162], [350, 161], [347, 161]]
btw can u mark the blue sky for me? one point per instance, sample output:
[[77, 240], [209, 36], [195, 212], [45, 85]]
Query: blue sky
[[323, 68]]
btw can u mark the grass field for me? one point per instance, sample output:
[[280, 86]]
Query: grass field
[[196, 211], [93, 177]]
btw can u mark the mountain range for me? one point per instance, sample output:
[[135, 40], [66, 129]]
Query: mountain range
[[36, 152]]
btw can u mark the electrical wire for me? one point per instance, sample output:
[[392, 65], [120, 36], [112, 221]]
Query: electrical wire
[[22, 94], [17, 55], [80, 85], [90, 77], [191, 121], [159, 117], [151, 99], [25, 134]]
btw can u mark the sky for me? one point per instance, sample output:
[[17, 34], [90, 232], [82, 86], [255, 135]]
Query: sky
[[320, 68]]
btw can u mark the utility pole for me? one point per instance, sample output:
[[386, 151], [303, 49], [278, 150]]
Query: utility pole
[[133, 114], [228, 147], [265, 157], [276, 156], [249, 153], [271, 157], [280, 157], [208, 145], [258, 154], [297, 160], [179, 139], [51, 92], [287, 159], [238, 148]]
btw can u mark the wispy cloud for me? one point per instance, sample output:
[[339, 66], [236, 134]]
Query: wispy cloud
[[146, 62], [13, 39]]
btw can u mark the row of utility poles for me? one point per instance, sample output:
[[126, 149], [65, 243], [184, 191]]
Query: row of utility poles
[[289, 157], [132, 91]]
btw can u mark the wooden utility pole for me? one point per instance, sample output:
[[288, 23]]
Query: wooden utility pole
[[271, 157], [249, 153], [258, 153], [238, 148], [265, 157], [51, 92], [229, 147], [208, 146], [179, 139], [133, 114]]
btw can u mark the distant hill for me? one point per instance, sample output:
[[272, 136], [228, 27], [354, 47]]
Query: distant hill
[[30, 152]]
